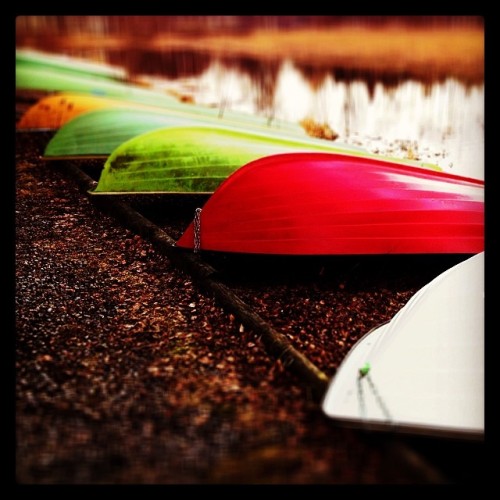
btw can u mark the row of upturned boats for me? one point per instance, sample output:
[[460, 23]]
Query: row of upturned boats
[[273, 190]]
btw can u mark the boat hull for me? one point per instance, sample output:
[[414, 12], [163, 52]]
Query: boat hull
[[192, 159], [329, 204], [102, 131], [54, 111], [422, 372]]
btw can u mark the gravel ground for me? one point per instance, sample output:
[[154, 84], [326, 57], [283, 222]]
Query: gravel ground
[[126, 373]]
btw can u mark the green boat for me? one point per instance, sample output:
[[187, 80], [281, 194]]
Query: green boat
[[98, 133], [54, 80], [59, 62], [193, 159]]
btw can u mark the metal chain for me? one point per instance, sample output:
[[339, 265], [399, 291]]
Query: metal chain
[[381, 403], [361, 398], [197, 230]]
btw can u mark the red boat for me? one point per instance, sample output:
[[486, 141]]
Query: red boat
[[330, 204]]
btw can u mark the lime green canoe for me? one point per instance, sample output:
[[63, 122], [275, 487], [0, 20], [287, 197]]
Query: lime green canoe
[[53, 80], [57, 74], [194, 159]]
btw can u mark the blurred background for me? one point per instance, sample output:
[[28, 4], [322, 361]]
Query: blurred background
[[404, 86]]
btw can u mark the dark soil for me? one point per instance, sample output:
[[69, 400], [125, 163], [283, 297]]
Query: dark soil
[[127, 373]]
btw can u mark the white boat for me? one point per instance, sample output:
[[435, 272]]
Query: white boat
[[423, 371]]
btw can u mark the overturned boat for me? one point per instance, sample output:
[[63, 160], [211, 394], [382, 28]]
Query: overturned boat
[[60, 62], [53, 111], [330, 204], [193, 159], [423, 371], [98, 133], [55, 74]]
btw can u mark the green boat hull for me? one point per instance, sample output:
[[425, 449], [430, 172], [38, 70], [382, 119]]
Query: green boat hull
[[100, 132], [192, 159], [62, 63], [50, 80]]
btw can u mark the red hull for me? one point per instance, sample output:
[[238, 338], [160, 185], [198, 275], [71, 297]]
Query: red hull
[[328, 204]]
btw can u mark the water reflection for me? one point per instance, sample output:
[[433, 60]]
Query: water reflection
[[168, 64], [440, 122]]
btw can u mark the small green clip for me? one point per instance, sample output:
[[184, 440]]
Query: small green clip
[[363, 371]]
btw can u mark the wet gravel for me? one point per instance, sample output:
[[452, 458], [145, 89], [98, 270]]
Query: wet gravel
[[127, 373]]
